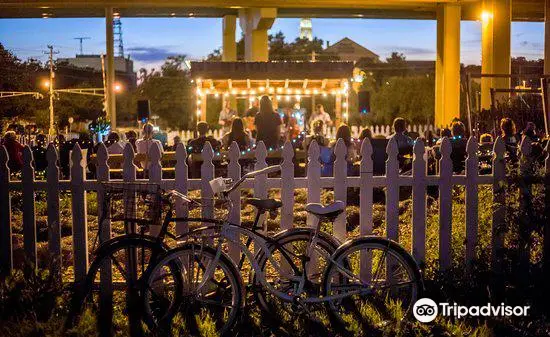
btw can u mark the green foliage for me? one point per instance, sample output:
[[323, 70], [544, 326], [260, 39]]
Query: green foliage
[[410, 97], [281, 50], [170, 92]]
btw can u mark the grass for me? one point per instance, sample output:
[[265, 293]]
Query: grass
[[32, 305]]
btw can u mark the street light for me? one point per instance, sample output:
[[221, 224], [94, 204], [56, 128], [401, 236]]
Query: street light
[[118, 88], [46, 84]]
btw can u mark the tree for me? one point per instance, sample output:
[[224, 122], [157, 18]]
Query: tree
[[170, 92], [280, 50]]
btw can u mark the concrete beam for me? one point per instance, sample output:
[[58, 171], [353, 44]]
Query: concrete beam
[[447, 71], [255, 22], [229, 43]]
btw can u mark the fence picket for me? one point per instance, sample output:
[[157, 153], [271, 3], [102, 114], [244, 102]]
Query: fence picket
[[313, 180], [181, 185], [234, 172], [260, 183], [340, 186], [54, 225], [6, 249], [106, 282], [155, 176], [287, 187], [79, 214], [207, 174], [365, 204], [471, 199], [419, 203], [392, 191], [29, 220], [499, 200], [445, 204]]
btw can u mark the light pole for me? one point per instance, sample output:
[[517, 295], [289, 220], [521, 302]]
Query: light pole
[[51, 91]]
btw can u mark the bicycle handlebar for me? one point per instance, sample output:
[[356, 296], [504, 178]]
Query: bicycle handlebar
[[267, 170]]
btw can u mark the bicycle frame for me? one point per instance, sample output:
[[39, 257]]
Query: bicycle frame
[[229, 231]]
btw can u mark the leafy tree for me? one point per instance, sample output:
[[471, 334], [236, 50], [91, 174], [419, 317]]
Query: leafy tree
[[170, 92]]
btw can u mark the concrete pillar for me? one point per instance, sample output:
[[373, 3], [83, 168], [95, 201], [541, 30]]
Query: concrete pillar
[[495, 46], [110, 99], [229, 44], [255, 22], [447, 66]]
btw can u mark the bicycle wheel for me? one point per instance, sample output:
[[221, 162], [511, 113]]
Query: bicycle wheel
[[380, 279], [210, 297], [289, 247], [123, 261]]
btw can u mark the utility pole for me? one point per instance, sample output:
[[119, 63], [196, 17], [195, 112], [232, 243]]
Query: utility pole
[[81, 39], [51, 91]]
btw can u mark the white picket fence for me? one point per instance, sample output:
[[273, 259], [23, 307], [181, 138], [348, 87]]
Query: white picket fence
[[78, 185], [377, 130]]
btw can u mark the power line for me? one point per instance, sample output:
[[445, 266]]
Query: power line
[[81, 39]]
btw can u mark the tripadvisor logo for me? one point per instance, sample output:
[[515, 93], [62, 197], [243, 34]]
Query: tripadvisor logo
[[426, 310]]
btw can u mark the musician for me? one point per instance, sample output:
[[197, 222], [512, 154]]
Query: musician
[[226, 117]]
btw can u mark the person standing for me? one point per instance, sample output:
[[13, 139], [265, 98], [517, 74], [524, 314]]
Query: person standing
[[144, 145], [237, 134], [226, 117], [268, 124]]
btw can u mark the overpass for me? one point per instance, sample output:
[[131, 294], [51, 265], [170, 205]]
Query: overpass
[[256, 17]]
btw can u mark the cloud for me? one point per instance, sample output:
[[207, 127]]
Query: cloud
[[151, 54], [411, 51], [531, 45]]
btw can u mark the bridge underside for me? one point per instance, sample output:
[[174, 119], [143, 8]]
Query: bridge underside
[[530, 10]]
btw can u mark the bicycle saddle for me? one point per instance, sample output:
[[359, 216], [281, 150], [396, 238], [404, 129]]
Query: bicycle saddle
[[264, 204], [328, 211]]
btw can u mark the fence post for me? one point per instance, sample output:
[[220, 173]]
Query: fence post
[[392, 191], [419, 203], [79, 214], [234, 172], [181, 176], [340, 186], [54, 226], [207, 174], [365, 204], [499, 200], [445, 205], [313, 180], [29, 220], [471, 199], [287, 187], [6, 249]]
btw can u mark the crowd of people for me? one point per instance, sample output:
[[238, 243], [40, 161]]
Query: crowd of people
[[262, 123]]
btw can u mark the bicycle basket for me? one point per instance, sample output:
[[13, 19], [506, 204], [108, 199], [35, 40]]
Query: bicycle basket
[[133, 202]]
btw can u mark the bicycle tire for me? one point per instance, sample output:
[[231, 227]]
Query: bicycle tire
[[224, 263], [343, 254]]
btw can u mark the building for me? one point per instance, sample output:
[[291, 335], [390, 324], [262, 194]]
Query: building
[[124, 67], [306, 29], [349, 50]]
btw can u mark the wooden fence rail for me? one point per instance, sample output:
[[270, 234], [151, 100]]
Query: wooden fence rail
[[419, 181]]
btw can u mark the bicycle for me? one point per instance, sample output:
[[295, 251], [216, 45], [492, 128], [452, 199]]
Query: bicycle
[[213, 288], [134, 253]]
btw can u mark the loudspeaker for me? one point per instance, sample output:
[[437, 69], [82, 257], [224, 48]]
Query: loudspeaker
[[364, 101], [143, 110]]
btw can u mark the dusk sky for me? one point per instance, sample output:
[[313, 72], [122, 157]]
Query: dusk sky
[[149, 41]]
